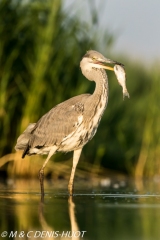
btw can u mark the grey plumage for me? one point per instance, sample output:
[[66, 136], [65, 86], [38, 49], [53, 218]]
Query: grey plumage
[[72, 123], [22, 141]]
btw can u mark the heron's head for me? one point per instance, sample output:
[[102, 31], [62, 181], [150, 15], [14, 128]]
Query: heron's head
[[93, 59]]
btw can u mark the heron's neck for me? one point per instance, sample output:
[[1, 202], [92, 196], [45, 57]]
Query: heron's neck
[[97, 102], [99, 99], [101, 80]]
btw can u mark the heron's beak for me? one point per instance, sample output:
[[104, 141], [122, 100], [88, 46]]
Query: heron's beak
[[108, 68], [105, 61]]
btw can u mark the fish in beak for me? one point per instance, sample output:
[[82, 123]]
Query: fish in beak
[[121, 77], [119, 72]]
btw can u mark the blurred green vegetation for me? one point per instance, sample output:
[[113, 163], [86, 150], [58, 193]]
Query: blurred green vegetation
[[41, 46]]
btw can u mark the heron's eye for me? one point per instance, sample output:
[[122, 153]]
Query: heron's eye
[[93, 58]]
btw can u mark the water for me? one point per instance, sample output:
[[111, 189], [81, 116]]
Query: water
[[99, 210]]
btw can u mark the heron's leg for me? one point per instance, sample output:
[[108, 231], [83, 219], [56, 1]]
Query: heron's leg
[[41, 172], [76, 157]]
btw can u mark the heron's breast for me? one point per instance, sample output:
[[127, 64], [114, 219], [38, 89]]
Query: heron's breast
[[86, 127], [98, 113], [74, 140]]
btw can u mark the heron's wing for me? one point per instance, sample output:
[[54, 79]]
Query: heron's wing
[[22, 141], [59, 122]]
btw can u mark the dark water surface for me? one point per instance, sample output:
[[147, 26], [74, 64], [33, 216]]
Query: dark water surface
[[99, 210]]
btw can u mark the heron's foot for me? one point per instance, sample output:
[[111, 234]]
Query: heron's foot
[[70, 189], [41, 179]]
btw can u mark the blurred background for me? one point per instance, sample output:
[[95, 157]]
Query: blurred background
[[41, 45]]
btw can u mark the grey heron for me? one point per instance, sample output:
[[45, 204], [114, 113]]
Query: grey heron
[[71, 124]]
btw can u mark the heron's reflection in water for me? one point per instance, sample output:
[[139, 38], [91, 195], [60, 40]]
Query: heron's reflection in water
[[50, 232], [44, 224], [74, 224]]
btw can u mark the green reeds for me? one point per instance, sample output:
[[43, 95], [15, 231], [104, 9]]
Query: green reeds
[[148, 163], [39, 66]]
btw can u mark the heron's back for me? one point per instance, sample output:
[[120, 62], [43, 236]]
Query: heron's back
[[55, 127]]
